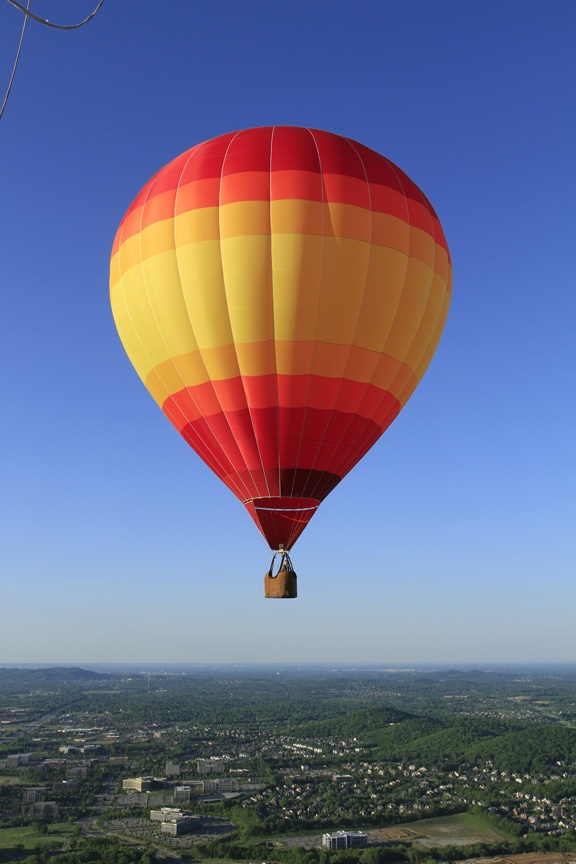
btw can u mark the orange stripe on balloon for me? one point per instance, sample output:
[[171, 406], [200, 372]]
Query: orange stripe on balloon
[[361, 367], [293, 184], [198, 194], [245, 186], [341, 189], [158, 208]]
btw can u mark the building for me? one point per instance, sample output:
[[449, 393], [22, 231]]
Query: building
[[220, 784], [180, 825], [358, 839], [214, 798], [214, 765], [48, 765], [172, 769], [17, 759], [182, 793], [67, 786], [167, 813], [78, 772], [45, 810], [175, 821], [137, 784], [224, 784], [345, 840], [32, 795]]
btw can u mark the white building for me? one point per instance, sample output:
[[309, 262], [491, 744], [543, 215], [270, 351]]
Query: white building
[[137, 784], [167, 813], [180, 825], [175, 821], [345, 840]]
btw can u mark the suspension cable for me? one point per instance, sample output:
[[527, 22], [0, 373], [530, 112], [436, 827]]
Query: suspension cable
[[46, 23], [28, 14], [11, 81]]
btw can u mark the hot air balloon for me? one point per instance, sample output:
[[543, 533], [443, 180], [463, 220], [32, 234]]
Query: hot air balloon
[[280, 291]]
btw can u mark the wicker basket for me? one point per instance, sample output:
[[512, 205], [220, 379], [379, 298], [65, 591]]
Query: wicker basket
[[283, 585]]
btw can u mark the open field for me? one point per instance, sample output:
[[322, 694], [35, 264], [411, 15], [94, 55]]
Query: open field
[[30, 837], [462, 829]]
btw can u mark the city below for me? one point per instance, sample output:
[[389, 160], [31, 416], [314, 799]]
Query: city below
[[302, 765]]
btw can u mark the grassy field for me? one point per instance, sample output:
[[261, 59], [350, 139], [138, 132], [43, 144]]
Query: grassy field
[[11, 781], [30, 836], [458, 830]]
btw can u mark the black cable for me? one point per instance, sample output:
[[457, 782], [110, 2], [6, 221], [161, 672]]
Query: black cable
[[9, 88], [28, 14]]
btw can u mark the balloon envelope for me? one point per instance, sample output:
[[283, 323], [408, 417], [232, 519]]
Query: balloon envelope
[[281, 292]]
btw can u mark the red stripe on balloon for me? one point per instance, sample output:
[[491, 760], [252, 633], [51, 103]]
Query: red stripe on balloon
[[308, 439], [256, 393]]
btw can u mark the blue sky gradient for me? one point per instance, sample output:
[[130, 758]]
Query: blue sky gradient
[[453, 540]]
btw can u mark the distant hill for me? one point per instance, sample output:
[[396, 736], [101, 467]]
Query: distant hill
[[357, 724], [532, 750], [50, 675]]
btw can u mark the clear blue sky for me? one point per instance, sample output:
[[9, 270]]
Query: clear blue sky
[[453, 540]]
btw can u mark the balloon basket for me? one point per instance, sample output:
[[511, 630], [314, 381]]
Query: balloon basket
[[281, 585]]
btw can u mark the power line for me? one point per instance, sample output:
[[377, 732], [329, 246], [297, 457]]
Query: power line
[[9, 88], [46, 23]]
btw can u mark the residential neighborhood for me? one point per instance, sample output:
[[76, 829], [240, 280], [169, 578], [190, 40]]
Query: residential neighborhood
[[187, 783]]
